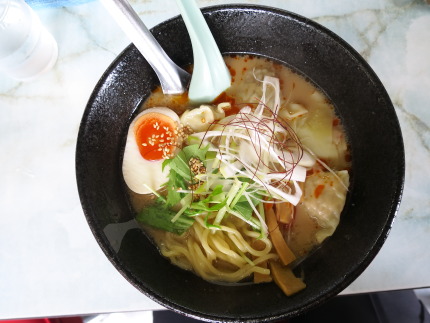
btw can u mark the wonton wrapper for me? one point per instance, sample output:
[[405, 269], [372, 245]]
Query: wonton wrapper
[[327, 206]]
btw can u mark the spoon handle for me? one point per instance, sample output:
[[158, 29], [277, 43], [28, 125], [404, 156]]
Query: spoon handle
[[173, 79], [210, 74]]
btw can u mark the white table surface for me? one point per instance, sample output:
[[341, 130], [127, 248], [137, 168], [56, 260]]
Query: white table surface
[[50, 263]]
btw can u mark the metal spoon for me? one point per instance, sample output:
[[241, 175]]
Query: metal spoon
[[173, 79], [210, 74]]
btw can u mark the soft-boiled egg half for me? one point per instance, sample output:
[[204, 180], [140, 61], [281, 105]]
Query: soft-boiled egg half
[[151, 138]]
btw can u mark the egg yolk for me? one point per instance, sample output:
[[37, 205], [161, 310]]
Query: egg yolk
[[156, 136]]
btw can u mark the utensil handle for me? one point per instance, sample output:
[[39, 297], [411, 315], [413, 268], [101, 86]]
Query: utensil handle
[[210, 74], [173, 79]]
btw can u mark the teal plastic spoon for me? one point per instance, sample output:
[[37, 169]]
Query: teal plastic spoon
[[210, 75]]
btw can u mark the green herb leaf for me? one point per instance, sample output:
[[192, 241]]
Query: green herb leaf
[[174, 183], [244, 208], [159, 216], [217, 190], [165, 163], [213, 202], [205, 206], [180, 174], [180, 162], [210, 155]]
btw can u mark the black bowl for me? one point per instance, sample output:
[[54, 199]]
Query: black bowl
[[360, 101]]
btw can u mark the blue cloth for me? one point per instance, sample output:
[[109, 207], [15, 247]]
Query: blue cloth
[[54, 3]]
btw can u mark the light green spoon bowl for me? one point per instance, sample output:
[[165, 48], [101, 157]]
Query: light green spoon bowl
[[210, 75]]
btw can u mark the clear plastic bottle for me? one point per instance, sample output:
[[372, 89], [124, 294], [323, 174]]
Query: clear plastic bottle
[[27, 49]]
